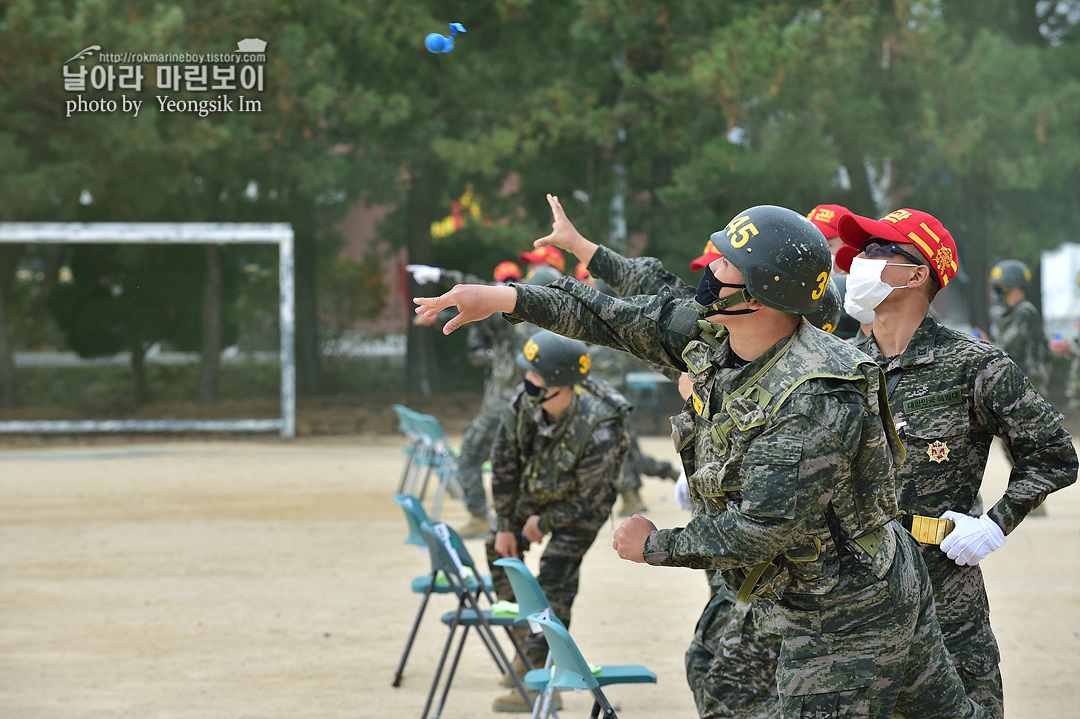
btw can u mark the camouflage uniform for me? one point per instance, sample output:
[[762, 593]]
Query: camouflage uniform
[[1019, 331], [566, 472], [802, 494], [954, 395], [730, 665]]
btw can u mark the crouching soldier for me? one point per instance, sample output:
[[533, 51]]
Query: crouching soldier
[[556, 469]]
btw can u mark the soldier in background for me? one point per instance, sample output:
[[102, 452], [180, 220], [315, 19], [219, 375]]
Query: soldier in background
[[555, 471], [1019, 329]]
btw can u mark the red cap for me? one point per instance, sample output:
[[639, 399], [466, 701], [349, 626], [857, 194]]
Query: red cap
[[904, 226], [844, 256], [507, 270], [707, 256], [581, 272], [545, 255], [825, 218]]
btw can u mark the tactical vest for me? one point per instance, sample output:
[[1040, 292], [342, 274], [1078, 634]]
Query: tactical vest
[[716, 429], [549, 476]]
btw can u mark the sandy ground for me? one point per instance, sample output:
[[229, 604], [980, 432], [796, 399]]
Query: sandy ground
[[263, 578]]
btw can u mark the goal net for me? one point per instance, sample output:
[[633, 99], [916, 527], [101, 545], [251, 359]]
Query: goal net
[[154, 233]]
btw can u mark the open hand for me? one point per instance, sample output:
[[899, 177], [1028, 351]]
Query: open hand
[[474, 302], [564, 235]]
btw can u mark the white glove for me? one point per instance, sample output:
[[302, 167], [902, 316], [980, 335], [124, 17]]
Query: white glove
[[682, 492], [423, 274], [971, 539]]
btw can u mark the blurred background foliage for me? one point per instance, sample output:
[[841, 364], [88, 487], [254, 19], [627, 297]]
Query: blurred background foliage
[[682, 113]]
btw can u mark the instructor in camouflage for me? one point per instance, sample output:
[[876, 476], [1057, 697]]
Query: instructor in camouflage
[[951, 394], [789, 446]]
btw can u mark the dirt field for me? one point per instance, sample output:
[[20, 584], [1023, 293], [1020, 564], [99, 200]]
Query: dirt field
[[263, 578]]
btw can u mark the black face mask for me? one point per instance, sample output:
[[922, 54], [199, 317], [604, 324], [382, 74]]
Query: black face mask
[[999, 292], [533, 390], [708, 296]]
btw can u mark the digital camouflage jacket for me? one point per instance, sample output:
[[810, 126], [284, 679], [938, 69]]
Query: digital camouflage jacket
[[567, 472], [955, 393]]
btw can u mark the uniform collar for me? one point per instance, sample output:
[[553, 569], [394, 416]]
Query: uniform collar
[[920, 349]]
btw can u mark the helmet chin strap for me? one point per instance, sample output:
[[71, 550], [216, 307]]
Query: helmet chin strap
[[720, 307]]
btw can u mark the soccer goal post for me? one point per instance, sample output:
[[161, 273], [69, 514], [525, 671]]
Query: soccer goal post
[[168, 233]]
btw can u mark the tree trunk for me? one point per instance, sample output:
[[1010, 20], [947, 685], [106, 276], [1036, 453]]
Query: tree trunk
[[861, 197], [8, 256], [422, 373], [210, 362], [308, 356], [138, 369]]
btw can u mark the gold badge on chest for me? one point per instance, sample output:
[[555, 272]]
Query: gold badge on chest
[[938, 451]]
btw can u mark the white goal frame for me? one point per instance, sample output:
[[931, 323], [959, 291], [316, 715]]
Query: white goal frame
[[171, 233]]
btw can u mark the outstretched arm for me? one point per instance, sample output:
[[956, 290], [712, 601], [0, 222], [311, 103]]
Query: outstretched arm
[[474, 303]]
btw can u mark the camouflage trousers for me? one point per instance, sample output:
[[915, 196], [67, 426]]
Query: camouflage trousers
[[475, 450], [730, 665], [889, 657], [560, 572], [974, 651]]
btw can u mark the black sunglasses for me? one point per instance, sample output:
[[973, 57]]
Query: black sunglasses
[[879, 248]]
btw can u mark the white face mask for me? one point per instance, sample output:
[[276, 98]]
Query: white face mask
[[863, 317], [864, 285]]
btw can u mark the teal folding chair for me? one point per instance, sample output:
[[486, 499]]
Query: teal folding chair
[[531, 600], [425, 584], [571, 671], [441, 462], [448, 554], [415, 451]]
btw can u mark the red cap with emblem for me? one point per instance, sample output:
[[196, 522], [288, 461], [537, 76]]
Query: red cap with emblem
[[545, 255], [904, 226], [507, 270], [825, 218], [707, 255]]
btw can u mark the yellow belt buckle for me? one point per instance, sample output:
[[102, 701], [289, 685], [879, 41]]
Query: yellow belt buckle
[[928, 530]]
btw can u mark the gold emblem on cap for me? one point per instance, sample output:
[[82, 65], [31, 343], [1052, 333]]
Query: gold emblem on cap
[[944, 259], [531, 348], [938, 452]]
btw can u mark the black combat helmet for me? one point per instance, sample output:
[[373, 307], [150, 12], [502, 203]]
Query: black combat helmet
[[559, 360], [543, 275], [827, 315], [1010, 273], [784, 259]]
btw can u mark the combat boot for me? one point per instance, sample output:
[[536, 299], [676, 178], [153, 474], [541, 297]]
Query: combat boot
[[519, 669], [514, 703], [632, 503], [478, 527]]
